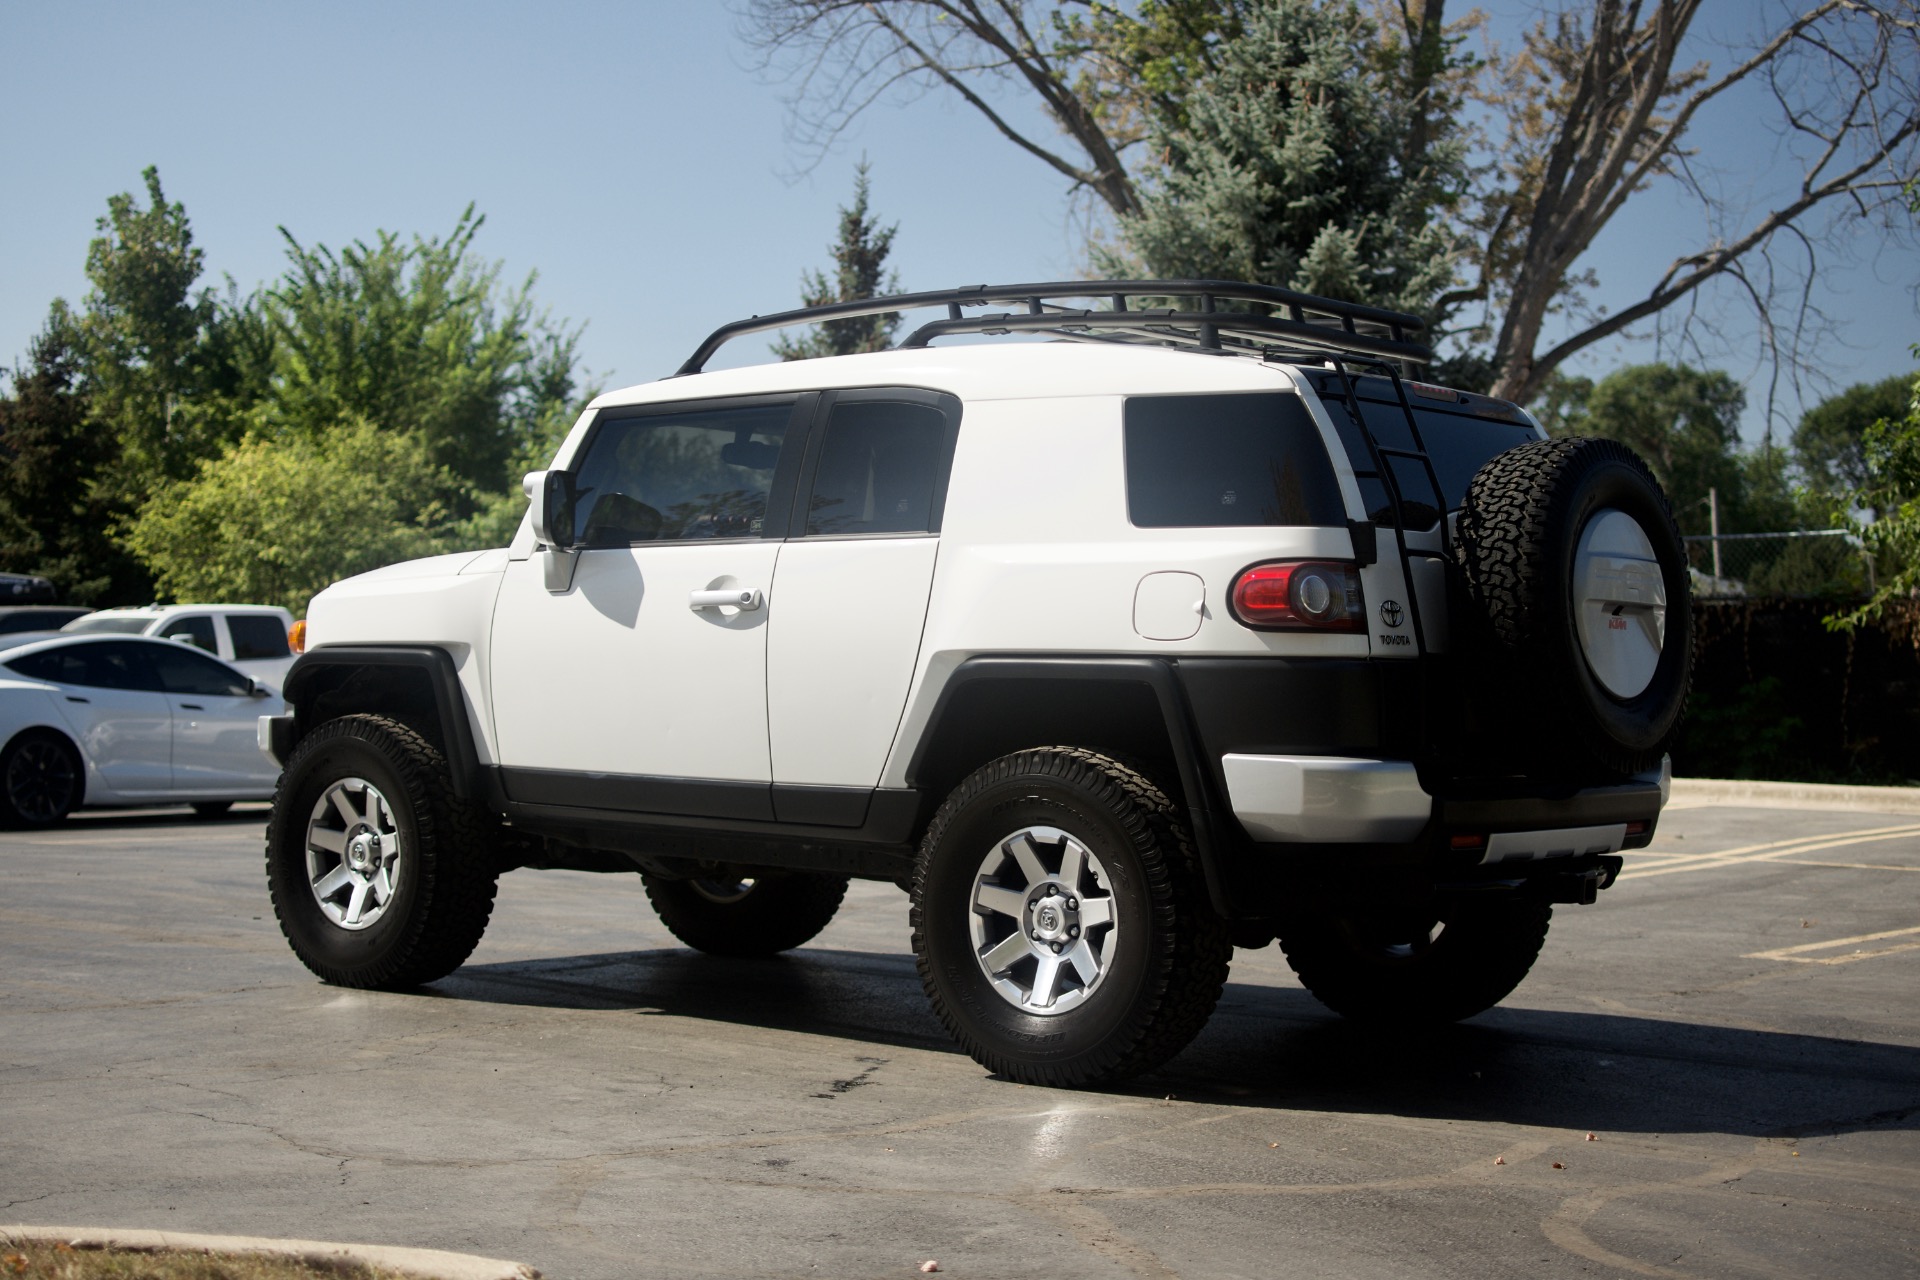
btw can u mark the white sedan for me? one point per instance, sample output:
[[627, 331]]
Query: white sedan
[[124, 720]]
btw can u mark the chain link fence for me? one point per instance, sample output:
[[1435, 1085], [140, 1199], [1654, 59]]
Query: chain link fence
[[1801, 564]]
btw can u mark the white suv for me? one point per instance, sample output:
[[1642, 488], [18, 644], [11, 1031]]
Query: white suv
[[1197, 626], [252, 637]]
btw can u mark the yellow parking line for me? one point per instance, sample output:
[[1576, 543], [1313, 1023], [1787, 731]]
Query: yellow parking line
[[1770, 852], [1798, 955], [1849, 866], [1783, 845]]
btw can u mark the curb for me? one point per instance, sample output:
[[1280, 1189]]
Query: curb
[[429, 1264], [1796, 795]]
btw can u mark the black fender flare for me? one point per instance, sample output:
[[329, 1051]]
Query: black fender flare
[[319, 670], [1216, 838]]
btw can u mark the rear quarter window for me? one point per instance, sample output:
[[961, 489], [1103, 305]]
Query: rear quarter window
[[1214, 461], [256, 635]]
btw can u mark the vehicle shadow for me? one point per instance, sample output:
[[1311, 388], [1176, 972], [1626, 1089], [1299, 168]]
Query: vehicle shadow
[[1276, 1047], [250, 812]]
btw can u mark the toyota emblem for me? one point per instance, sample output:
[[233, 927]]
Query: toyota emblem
[[1390, 612]]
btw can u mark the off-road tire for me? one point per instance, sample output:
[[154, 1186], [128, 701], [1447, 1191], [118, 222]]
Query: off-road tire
[[1519, 529], [1171, 952], [781, 911], [42, 780], [445, 896], [1348, 960]]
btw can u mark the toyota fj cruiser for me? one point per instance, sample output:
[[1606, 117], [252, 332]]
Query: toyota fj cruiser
[[1199, 625]]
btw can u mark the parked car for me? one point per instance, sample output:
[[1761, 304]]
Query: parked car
[[15, 618], [125, 720], [26, 588], [253, 637]]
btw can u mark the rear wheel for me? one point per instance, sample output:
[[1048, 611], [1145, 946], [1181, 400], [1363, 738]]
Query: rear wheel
[[1416, 965], [381, 877], [1060, 922], [41, 779], [726, 914]]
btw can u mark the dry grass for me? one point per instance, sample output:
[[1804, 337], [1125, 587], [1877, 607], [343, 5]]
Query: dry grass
[[59, 1261]]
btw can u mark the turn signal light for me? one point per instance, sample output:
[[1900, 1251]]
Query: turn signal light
[[297, 636], [1301, 595]]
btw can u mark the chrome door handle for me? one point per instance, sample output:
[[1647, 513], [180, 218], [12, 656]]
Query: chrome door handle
[[746, 599]]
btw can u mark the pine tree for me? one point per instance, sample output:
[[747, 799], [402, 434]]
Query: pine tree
[[1293, 163], [859, 258]]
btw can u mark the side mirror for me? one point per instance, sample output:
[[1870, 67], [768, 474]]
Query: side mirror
[[551, 496], [257, 690]]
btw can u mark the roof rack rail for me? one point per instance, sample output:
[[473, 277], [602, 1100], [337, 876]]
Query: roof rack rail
[[1278, 324]]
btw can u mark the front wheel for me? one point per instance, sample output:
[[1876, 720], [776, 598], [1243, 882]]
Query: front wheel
[[1060, 922], [1416, 965], [381, 877]]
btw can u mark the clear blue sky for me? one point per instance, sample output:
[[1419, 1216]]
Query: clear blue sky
[[629, 154]]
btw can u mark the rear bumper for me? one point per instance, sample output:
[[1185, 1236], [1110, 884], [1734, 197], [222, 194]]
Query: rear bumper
[[1359, 800], [1330, 799]]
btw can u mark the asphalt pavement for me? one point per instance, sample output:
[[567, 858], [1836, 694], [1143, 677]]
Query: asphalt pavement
[[1735, 1025]]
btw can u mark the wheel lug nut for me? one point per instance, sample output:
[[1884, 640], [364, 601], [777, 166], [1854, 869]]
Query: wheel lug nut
[[1073, 931], [1056, 948], [1073, 904]]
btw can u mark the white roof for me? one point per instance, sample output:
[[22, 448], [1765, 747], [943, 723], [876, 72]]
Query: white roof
[[984, 371]]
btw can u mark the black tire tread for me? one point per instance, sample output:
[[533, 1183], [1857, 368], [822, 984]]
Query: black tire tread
[[455, 866], [1495, 955], [795, 908], [1195, 947]]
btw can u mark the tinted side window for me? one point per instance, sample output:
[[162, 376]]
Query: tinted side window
[[1196, 462], [1460, 445], [679, 476], [880, 469], [184, 671], [196, 631], [98, 666], [257, 636]]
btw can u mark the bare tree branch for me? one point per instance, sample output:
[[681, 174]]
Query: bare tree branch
[[1840, 74], [844, 55]]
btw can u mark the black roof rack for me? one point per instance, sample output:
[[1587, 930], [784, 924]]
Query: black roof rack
[[1279, 323]]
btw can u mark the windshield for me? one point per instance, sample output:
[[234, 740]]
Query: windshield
[[95, 624]]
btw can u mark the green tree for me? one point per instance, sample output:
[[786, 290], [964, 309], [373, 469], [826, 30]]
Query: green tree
[[859, 271], [1890, 462], [1685, 423], [421, 338], [163, 370], [276, 520], [1287, 164], [1829, 442], [56, 519]]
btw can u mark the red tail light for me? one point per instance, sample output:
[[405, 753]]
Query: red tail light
[[1302, 595]]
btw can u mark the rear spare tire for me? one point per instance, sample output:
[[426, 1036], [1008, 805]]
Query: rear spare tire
[[1571, 555]]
